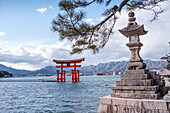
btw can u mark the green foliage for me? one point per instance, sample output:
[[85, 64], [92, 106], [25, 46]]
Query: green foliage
[[2, 74], [76, 50], [5, 73], [135, 4], [167, 58], [71, 25]]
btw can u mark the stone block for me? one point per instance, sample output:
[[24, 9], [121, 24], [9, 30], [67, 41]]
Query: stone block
[[161, 83], [169, 107], [135, 63], [104, 110], [100, 109], [136, 96], [152, 74], [164, 91], [136, 72], [135, 77], [167, 98], [126, 105], [133, 91], [157, 104], [145, 92], [149, 82], [122, 91], [158, 78], [156, 82], [124, 102], [105, 101], [137, 88]]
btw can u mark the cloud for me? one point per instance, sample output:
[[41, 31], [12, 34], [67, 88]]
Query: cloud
[[2, 33], [155, 41], [155, 45], [51, 7], [90, 21], [42, 10], [20, 57]]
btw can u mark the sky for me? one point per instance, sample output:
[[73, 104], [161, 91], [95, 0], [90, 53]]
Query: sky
[[27, 41]]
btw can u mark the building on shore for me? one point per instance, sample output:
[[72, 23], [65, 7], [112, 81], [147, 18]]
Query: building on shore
[[165, 72]]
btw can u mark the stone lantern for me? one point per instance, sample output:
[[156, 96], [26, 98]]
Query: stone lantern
[[133, 31], [138, 90]]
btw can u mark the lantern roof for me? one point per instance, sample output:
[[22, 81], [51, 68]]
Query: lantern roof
[[133, 28]]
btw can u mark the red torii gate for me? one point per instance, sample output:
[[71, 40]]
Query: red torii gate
[[75, 73]]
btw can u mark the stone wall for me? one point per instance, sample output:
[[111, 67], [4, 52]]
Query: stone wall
[[110, 104]]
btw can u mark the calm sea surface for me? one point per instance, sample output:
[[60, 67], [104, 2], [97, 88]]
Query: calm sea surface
[[49, 97]]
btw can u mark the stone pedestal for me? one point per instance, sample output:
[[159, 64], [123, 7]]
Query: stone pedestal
[[137, 84], [138, 91]]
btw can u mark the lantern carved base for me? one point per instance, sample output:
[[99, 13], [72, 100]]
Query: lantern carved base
[[133, 65], [135, 48], [135, 61]]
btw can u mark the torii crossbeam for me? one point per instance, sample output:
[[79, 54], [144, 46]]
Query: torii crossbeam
[[68, 64]]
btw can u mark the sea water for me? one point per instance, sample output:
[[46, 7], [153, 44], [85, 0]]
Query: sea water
[[52, 97]]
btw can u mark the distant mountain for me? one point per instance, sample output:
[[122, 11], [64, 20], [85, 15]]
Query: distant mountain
[[46, 70], [116, 66], [105, 67], [120, 66], [14, 71]]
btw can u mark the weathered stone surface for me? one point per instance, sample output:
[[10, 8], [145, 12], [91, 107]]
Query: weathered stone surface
[[133, 91], [136, 95], [149, 82], [161, 83], [123, 105], [136, 72], [122, 91], [106, 101], [145, 92], [169, 106], [167, 97], [152, 74], [137, 88], [135, 77], [164, 91], [105, 108], [168, 92], [135, 64], [100, 109]]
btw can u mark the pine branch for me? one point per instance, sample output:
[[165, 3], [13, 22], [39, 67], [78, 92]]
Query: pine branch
[[84, 36]]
